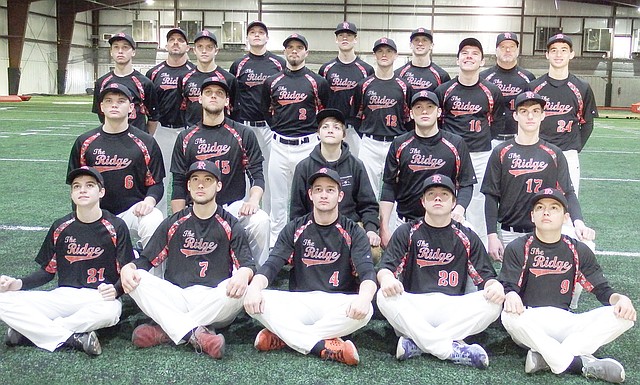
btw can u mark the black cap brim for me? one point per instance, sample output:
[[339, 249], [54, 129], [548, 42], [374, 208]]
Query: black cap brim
[[90, 171]]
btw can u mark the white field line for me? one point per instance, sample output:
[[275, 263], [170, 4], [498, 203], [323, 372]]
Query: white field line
[[609, 152], [32, 160], [611, 180]]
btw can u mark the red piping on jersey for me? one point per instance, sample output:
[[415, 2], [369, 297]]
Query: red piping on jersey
[[580, 111], [297, 235], [52, 266], [314, 86], [522, 75], [155, 73], [551, 153], [277, 63], [403, 261], [435, 74], [504, 151], [274, 104], [327, 68], [399, 153], [83, 148], [165, 250], [114, 238], [241, 65], [406, 111], [238, 138], [490, 100], [471, 270], [456, 154], [227, 230], [148, 178], [143, 107], [187, 138], [360, 113]]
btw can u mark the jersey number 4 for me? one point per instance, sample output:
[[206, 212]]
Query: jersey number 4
[[334, 280]]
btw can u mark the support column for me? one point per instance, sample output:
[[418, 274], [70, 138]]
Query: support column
[[17, 13]]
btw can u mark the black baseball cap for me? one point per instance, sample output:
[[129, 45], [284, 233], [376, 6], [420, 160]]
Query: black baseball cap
[[438, 180], [425, 95], [117, 88], [346, 26], [326, 173], [560, 37], [553, 194], [205, 165], [215, 80], [507, 36], [85, 170], [385, 41], [529, 95], [296, 36], [206, 33], [178, 31], [421, 32], [123, 36], [259, 24], [470, 41], [330, 113]]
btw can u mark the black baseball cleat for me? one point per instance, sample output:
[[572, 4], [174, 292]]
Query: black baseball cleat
[[15, 338], [86, 342]]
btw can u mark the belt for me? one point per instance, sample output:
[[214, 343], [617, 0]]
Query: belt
[[257, 123], [505, 136], [291, 142], [381, 138], [515, 229], [171, 125]]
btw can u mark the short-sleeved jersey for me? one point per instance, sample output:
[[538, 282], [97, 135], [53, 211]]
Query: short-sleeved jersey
[[166, 78], [291, 99], [130, 163], [251, 71], [381, 107], [546, 274], [511, 82], [430, 259], [516, 172], [232, 146], [473, 112], [145, 99], [343, 79], [412, 158], [86, 254], [423, 78], [334, 258], [198, 251], [569, 112], [190, 91]]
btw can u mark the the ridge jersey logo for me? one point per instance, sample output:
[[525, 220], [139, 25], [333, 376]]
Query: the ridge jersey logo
[[206, 151], [377, 102], [544, 265], [458, 107], [556, 108], [338, 84], [417, 83], [313, 256], [194, 247], [421, 162], [507, 89], [254, 79], [104, 162], [525, 166], [427, 256], [77, 252], [168, 82], [285, 97]]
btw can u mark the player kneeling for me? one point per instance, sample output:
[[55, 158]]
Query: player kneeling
[[422, 280], [331, 282], [86, 248], [208, 267], [540, 273]]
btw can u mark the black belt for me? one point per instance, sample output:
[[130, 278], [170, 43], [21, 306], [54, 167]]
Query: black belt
[[291, 142], [381, 138], [257, 123], [515, 229], [505, 136], [171, 125]]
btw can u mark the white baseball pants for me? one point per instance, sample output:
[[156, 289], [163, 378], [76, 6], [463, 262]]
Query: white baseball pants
[[257, 227]]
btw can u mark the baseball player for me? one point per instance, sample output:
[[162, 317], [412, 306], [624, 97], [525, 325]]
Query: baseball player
[[358, 202], [86, 249], [165, 77], [420, 72], [206, 48], [510, 78], [343, 74], [129, 160], [539, 273], [290, 101], [234, 148], [251, 71], [571, 105], [517, 170], [472, 108], [381, 107], [422, 279], [331, 282], [144, 114], [208, 268], [420, 153]]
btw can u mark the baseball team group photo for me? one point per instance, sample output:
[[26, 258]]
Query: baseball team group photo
[[253, 211]]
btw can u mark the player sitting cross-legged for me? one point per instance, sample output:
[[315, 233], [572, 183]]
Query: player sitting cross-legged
[[422, 278], [208, 267], [331, 282], [86, 249]]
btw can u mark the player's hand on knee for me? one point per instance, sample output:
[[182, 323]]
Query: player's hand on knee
[[623, 308], [495, 248], [236, 287], [513, 303], [8, 283], [108, 291], [248, 208], [358, 308], [494, 292], [144, 207], [254, 301], [458, 214], [129, 277], [374, 239], [391, 286]]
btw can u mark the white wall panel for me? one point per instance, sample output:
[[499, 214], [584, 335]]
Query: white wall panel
[[41, 28], [38, 68], [47, 7], [4, 64]]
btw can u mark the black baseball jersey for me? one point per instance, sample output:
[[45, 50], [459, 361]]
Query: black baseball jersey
[[190, 91], [569, 112], [423, 78], [291, 99], [130, 163], [412, 158], [333, 258], [145, 99], [473, 112], [166, 78], [512, 82], [251, 71], [343, 78], [381, 107], [232, 146], [516, 172], [545, 274], [86, 254], [198, 251], [359, 203], [430, 259]]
